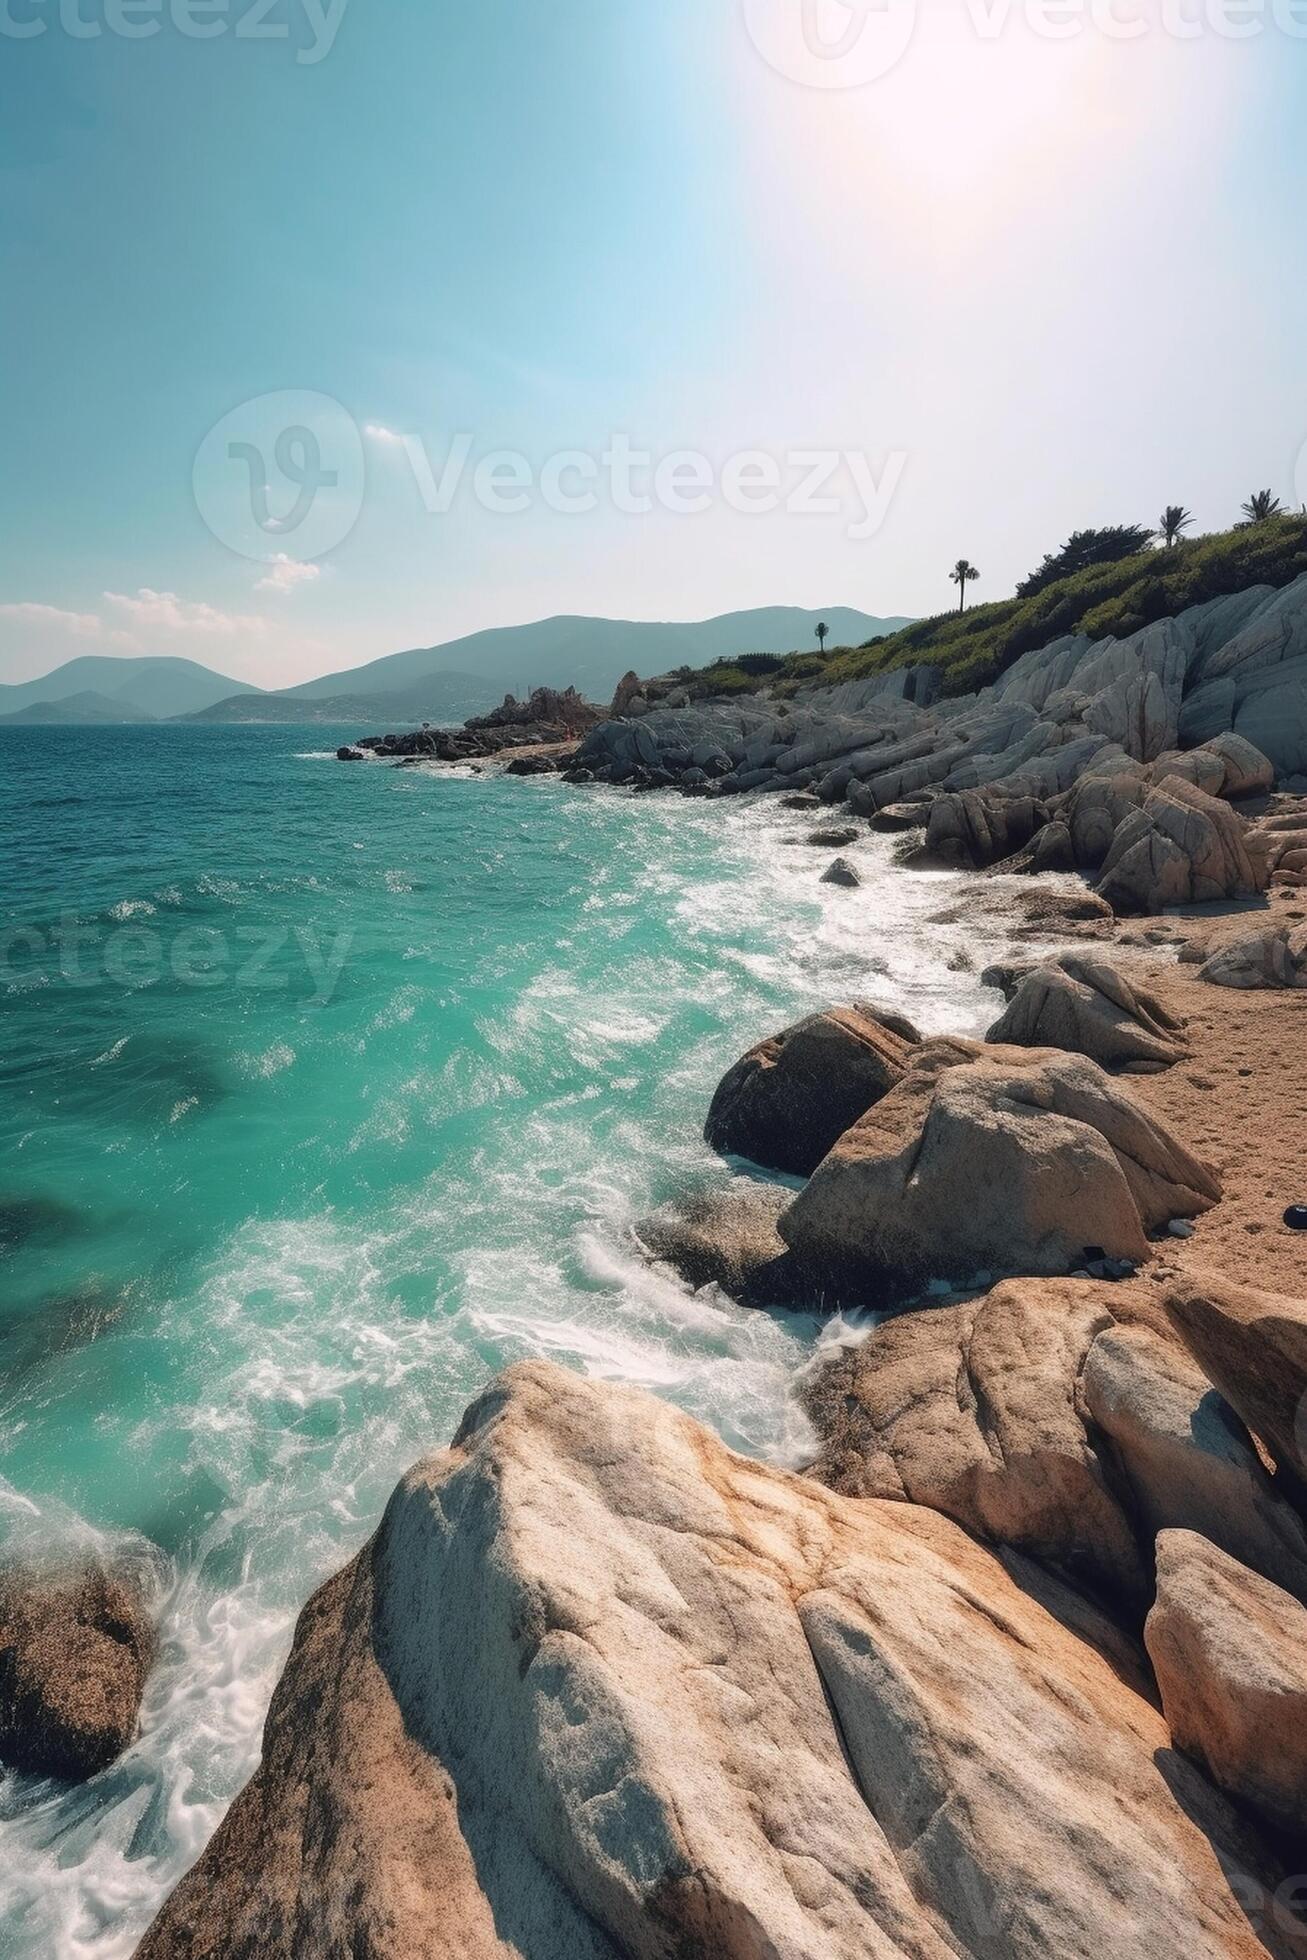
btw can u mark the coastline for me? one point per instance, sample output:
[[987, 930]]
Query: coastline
[[990, 921], [1233, 1098]]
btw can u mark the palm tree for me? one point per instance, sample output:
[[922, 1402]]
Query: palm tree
[[822, 630], [1261, 505], [1175, 519], [962, 575]]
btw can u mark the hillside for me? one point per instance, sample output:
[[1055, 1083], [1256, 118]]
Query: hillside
[[149, 688], [445, 698], [1108, 601], [74, 710]]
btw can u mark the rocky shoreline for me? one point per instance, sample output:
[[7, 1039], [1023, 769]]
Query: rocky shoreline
[[1018, 1666]]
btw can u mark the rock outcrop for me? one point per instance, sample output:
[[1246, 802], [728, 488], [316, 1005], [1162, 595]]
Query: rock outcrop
[[737, 1716], [1253, 1346], [1034, 1419], [1033, 1162], [1090, 1008], [1268, 960], [76, 1645], [1212, 697], [1230, 1654], [973, 1410], [1182, 847], [1180, 1457], [786, 1102]]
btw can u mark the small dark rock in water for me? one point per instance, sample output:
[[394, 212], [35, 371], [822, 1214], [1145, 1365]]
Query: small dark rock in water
[[802, 801], [841, 873], [1296, 1218], [76, 1645], [832, 840], [350, 755]]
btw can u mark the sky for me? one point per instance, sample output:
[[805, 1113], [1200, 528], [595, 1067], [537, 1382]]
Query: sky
[[333, 327]]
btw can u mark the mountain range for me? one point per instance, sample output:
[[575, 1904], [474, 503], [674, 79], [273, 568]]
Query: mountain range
[[106, 687], [448, 682]]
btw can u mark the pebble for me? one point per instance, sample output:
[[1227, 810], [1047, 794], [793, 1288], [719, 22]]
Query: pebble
[[1296, 1218]]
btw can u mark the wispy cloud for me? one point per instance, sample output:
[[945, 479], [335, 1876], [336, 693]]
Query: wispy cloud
[[285, 573], [36, 637], [86, 626], [380, 433], [150, 611]]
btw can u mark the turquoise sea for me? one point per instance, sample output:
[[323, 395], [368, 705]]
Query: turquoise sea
[[324, 1093]]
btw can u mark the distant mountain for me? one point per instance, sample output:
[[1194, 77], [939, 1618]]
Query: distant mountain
[[593, 654], [151, 687], [445, 698], [442, 683], [79, 710]]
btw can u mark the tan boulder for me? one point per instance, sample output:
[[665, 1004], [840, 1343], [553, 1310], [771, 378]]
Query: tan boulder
[[601, 1690], [974, 1411], [76, 1645], [1085, 1005], [1230, 1653], [1030, 1163], [1253, 1346], [1181, 1457], [1033, 1419], [789, 1099]]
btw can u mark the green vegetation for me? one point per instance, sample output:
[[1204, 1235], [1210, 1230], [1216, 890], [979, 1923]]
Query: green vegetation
[[1176, 520], [974, 648], [1103, 600], [1116, 599], [1261, 505], [1084, 549]]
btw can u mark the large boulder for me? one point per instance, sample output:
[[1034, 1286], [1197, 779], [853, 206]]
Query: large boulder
[[979, 827], [76, 1645], [1260, 960], [974, 1410], [601, 1690], [1230, 1653], [1247, 771], [1253, 1345], [1182, 847], [1034, 1419], [1096, 809], [1034, 1163], [1089, 1007], [1181, 1458], [789, 1099]]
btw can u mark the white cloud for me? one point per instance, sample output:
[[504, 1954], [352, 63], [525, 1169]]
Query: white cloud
[[285, 573], [380, 433], [86, 626], [149, 611]]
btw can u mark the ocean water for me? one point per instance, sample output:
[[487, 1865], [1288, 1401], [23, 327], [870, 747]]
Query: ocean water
[[325, 1092]]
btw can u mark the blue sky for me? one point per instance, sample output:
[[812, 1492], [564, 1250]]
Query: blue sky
[[1031, 282]]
